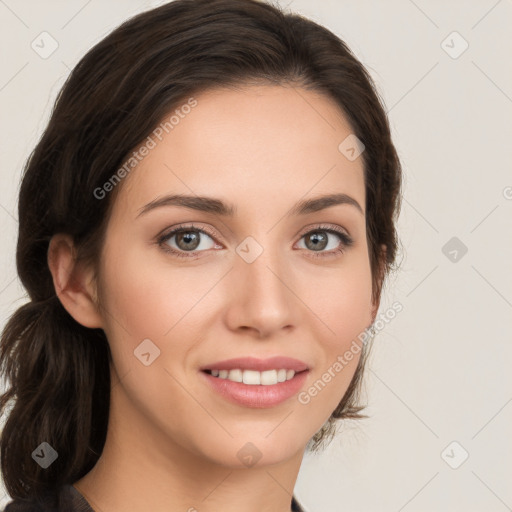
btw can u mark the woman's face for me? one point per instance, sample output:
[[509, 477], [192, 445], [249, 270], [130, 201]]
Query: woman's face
[[266, 281]]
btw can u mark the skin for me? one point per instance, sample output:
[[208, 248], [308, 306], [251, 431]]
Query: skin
[[172, 442]]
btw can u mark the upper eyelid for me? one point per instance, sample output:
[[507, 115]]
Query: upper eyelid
[[324, 226]]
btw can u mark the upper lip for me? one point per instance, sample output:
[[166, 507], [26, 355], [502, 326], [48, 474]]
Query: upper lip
[[253, 363]]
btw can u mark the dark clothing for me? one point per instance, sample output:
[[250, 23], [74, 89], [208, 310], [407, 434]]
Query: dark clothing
[[70, 500]]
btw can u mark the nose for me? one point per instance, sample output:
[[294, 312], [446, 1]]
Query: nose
[[261, 298]]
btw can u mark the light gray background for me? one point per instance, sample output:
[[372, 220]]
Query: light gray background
[[440, 371]]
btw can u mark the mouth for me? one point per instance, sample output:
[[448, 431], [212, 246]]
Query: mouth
[[254, 389]]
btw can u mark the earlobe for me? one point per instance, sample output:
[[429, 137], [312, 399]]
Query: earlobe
[[73, 283]]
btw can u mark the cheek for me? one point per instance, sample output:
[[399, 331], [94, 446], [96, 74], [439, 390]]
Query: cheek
[[344, 306], [342, 300], [148, 298]]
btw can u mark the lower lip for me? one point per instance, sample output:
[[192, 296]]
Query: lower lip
[[258, 396]]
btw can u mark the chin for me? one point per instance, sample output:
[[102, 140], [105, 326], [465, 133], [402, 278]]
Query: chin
[[246, 450]]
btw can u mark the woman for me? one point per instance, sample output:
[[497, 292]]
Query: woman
[[205, 229]]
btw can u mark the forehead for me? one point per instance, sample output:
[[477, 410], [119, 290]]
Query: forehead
[[257, 143]]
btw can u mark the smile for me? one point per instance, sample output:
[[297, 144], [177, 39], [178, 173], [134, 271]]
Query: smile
[[253, 393], [253, 377]]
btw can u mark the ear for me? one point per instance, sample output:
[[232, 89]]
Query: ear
[[74, 284], [382, 266]]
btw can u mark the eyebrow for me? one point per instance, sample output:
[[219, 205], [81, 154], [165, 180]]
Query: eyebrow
[[218, 207]]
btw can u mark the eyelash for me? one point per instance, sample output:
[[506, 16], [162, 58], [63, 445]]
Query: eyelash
[[346, 241]]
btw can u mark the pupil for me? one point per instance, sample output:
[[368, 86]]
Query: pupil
[[318, 240], [188, 238]]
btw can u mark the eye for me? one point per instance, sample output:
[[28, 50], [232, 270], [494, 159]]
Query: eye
[[324, 236], [187, 239]]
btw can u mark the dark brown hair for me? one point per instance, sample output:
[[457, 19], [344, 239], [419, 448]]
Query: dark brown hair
[[113, 99]]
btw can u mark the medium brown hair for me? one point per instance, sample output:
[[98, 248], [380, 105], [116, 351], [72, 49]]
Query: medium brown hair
[[113, 99]]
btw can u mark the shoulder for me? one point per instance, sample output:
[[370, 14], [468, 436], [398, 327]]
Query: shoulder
[[67, 499]]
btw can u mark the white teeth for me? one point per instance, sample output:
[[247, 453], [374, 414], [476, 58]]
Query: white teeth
[[253, 377], [235, 375], [269, 377]]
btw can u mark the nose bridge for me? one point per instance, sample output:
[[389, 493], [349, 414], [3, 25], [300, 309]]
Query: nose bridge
[[261, 269], [261, 295]]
